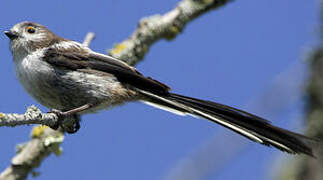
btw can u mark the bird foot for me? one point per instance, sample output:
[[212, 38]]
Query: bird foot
[[70, 123]]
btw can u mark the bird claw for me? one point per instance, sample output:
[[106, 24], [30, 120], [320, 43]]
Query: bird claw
[[69, 123]]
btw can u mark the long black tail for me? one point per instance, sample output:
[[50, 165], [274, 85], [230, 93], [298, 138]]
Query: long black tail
[[246, 124]]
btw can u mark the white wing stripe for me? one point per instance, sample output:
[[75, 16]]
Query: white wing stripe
[[231, 126]]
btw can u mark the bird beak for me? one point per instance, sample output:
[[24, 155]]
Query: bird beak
[[11, 35]]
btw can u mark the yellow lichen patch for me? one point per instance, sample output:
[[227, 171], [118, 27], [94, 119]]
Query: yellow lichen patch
[[174, 29], [38, 131], [208, 1], [172, 32], [118, 48], [1, 115]]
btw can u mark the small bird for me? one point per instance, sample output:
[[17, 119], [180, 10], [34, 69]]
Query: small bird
[[72, 80]]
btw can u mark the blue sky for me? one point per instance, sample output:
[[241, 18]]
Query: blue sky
[[233, 55]]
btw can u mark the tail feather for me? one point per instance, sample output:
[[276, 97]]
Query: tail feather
[[253, 127]]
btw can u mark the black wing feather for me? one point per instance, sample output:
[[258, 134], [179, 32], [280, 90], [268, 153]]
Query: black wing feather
[[124, 73]]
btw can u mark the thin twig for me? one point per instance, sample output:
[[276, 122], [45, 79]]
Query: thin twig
[[88, 39]]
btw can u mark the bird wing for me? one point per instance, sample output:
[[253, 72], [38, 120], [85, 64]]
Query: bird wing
[[78, 59]]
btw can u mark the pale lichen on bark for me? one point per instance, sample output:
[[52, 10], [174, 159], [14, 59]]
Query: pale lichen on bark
[[44, 141], [156, 27], [32, 116]]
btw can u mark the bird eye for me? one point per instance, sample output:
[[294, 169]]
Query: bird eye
[[31, 29]]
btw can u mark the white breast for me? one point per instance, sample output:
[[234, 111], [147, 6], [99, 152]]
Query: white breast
[[29, 67], [33, 73]]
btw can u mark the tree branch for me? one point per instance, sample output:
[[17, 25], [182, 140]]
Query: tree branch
[[156, 27], [29, 155], [32, 116], [309, 168], [45, 140]]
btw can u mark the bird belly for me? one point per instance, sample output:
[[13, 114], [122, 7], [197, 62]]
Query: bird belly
[[66, 89]]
